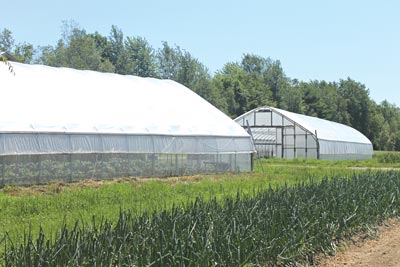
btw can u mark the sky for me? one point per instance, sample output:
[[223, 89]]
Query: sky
[[313, 39]]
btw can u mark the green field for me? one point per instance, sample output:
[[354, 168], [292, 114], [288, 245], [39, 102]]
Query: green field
[[53, 205]]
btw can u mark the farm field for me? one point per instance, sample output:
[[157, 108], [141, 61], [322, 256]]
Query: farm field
[[53, 205]]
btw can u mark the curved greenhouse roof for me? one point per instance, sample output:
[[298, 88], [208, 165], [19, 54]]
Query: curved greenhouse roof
[[42, 98], [326, 130], [292, 135], [63, 111]]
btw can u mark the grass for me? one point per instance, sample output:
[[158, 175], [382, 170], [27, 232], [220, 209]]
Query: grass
[[380, 159], [49, 206]]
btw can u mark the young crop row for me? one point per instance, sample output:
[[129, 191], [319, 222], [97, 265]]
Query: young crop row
[[277, 226]]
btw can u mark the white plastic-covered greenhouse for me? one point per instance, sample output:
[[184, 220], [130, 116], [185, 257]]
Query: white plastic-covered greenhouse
[[61, 124], [283, 134]]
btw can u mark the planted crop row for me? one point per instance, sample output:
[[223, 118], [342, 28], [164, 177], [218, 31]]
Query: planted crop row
[[275, 227]]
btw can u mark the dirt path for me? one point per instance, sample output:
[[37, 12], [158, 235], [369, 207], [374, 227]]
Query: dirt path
[[383, 251]]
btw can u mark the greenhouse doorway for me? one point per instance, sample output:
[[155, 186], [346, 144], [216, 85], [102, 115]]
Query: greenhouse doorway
[[276, 136]]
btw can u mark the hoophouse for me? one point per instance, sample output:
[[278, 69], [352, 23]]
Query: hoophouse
[[283, 134], [62, 124]]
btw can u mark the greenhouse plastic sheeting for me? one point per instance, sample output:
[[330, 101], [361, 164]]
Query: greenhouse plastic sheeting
[[326, 130], [22, 143], [50, 110]]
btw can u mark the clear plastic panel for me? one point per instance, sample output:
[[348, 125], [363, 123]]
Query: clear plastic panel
[[279, 151], [289, 141], [288, 130], [300, 141], [263, 118], [312, 153], [287, 122], [299, 130], [279, 135], [311, 143], [249, 118], [276, 119], [300, 153], [288, 153]]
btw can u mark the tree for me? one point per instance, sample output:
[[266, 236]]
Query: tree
[[379, 132], [24, 52], [6, 41], [276, 80], [179, 65], [229, 82], [103, 46], [141, 57], [21, 52], [292, 98], [322, 100], [117, 52], [168, 61], [358, 104], [391, 123], [76, 50], [257, 68]]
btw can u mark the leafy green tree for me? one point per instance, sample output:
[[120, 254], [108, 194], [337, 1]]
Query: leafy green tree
[[179, 65], [24, 52], [358, 104], [141, 57], [168, 61], [76, 50], [117, 52], [390, 125], [247, 85], [103, 46], [258, 88], [322, 100], [276, 80], [21, 52], [230, 82], [292, 98], [379, 132], [6, 41]]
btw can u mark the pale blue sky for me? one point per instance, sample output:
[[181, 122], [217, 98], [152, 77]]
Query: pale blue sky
[[315, 39]]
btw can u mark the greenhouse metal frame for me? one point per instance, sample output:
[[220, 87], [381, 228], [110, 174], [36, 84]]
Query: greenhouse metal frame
[[283, 134], [62, 124]]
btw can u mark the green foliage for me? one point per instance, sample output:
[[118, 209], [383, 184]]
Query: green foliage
[[273, 227], [249, 84], [358, 103], [141, 56], [22, 52], [392, 158], [6, 40]]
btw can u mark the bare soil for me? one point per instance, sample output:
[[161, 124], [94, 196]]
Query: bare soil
[[381, 251]]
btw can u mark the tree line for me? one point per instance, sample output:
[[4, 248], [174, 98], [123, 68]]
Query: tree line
[[238, 87]]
